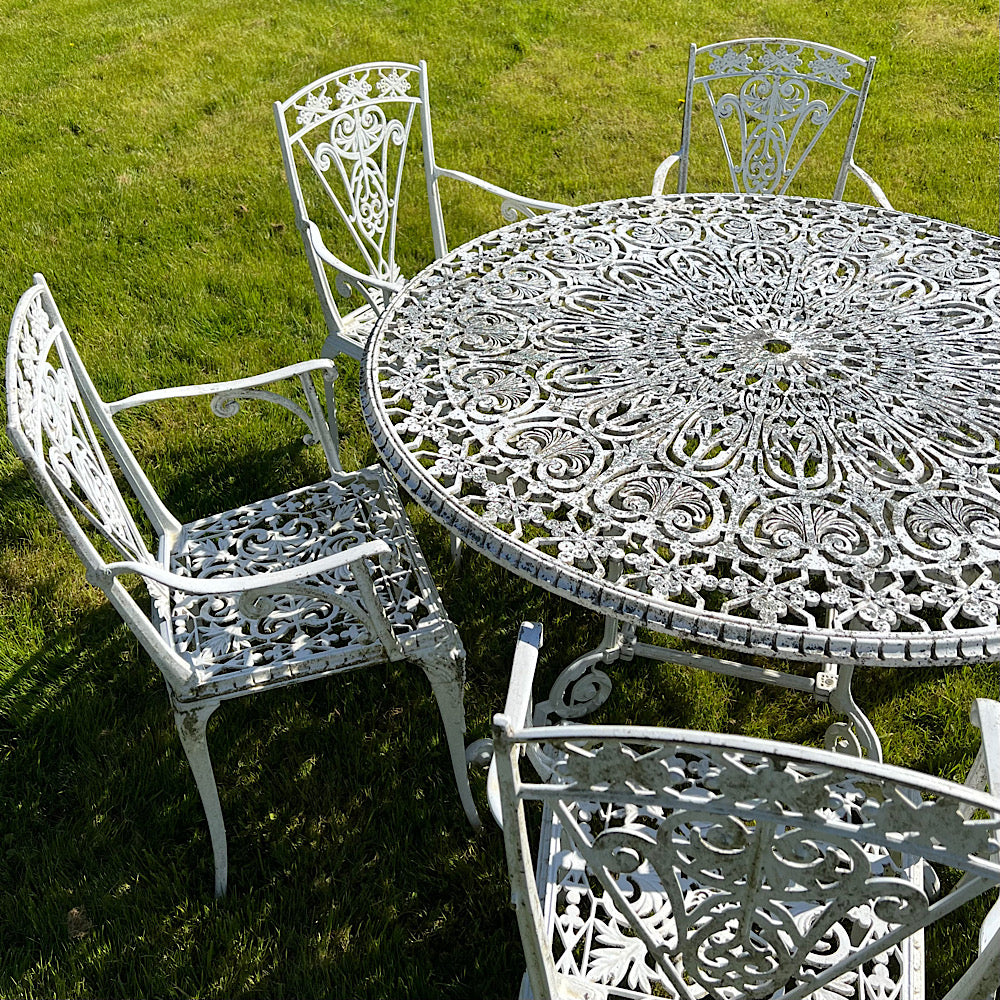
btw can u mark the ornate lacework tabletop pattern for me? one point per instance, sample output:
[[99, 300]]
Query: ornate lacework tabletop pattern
[[771, 424]]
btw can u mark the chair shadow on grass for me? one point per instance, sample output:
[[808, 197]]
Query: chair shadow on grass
[[348, 844], [353, 869], [353, 866]]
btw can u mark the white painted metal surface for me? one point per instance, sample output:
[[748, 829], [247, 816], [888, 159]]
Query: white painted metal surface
[[696, 865], [305, 584], [768, 424], [344, 139], [772, 101]]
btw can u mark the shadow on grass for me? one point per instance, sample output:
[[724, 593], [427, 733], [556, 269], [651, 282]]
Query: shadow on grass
[[352, 869]]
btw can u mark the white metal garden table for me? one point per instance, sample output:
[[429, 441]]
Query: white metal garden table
[[767, 424]]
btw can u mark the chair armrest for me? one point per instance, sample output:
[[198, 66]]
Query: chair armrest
[[208, 586], [660, 177], [345, 272], [253, 591], [517, 710], [322, 427], [513, 204], [870, 183], [985, 770], [213, 388]]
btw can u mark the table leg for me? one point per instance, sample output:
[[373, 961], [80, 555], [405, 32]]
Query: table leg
[[858, 736], [581, 688]]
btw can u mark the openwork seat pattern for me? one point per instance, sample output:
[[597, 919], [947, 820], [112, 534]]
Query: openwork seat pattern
[[296, 631], [693, 865], [304, 584]]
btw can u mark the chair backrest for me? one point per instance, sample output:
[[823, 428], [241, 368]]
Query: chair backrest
[[344, 139], [720, 866], [69, 443], [772, 100], [57, 423]]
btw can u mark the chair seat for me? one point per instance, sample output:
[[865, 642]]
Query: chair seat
[[593, 943], [307, 631]]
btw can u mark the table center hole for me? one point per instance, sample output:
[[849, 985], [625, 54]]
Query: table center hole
[[776, 346]]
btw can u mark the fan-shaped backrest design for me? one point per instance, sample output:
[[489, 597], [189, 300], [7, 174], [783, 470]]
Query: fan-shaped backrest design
[[772, 100], [692, 864], [344, 140], [52, 410], [351, 130]]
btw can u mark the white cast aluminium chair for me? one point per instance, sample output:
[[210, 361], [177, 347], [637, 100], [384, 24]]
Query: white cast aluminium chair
[[306, 584], [674, 863], [773, 100], [344, 139]]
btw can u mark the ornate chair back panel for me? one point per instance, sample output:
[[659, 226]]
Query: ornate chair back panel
[[348, 135], [52, 407], [772, 102], [690, 868]]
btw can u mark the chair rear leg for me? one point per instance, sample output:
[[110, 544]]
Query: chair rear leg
[[446, 673], [191, 726]]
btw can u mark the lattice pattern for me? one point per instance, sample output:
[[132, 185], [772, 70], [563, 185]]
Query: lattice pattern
[[766, 422], [745, 873], [219, 634]]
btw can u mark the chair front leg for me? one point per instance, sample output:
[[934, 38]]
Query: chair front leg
[[192, 724], [446, 672]]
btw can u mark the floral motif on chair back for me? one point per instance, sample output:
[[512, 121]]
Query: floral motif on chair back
[[352, 129], [693, 870], [772, 100], [50, 400]]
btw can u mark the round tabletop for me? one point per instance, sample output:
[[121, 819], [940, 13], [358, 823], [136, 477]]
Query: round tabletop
[[770, 424]]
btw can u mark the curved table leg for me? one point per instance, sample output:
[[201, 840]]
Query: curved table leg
[[581, 688], [858, 736]]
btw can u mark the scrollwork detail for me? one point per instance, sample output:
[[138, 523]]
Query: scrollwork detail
[[740, 408], [749, 869]]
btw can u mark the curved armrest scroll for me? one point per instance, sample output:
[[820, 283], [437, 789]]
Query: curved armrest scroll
[[351, 274], [871, 184], [214, 388], [516, 201], [206, 586], [660, 177]]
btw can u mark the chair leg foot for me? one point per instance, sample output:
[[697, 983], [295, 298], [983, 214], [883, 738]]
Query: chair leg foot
[[479, 753], [192, 727], [447, 677]]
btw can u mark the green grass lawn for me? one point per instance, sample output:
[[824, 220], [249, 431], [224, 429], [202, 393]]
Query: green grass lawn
[[139, 170]]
